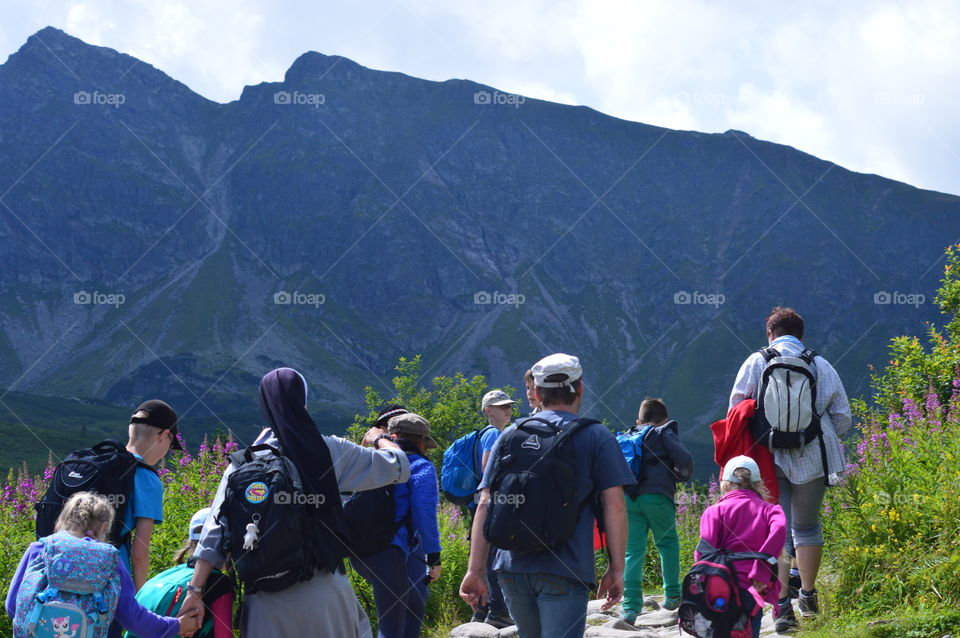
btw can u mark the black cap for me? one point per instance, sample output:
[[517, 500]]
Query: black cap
[[159, 415], [388, 413]]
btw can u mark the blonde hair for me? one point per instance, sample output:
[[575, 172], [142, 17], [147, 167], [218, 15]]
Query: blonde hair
[[185, 552], [743, 482], [87, 514]]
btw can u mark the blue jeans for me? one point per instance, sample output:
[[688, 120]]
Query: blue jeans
[[545, 605], [399, 590]]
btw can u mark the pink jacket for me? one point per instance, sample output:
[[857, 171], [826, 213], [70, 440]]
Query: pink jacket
[[741, 521]]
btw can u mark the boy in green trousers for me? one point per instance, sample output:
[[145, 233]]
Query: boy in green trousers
[[651, 507]]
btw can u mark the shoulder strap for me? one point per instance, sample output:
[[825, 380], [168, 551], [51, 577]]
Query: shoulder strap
[[769, 353], [477, 459], [245, 456], [706, 549], [808, 356]]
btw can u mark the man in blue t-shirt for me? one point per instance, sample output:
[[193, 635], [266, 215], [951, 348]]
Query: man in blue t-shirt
[[497, 406], [546, 591]]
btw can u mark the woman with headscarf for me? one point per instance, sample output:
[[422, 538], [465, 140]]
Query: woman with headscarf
[[323, 602]]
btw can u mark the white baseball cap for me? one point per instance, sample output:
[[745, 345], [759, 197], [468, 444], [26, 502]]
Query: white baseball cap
[[737, 462], [196, 523], [496, 397], [558, 363]]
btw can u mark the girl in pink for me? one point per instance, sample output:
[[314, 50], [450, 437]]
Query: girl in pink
[[744, 521]]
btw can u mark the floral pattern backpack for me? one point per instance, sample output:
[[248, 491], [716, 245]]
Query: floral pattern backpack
[[69, 590]]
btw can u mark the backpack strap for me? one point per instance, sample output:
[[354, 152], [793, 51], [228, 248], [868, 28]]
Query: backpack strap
[[245, 456], [706, 549], [477, 460], [808, 355], [769, 353]]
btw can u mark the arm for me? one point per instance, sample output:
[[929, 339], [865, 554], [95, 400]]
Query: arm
[[359, 468], [839, 406], [745, 387], [28, 556], [425, 495], [678, 453], [615, 523], [709, 528], [473, 589], [140, 551], [773, 545], [136, 618]]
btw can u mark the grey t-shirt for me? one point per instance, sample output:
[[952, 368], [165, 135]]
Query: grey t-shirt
[[600, 466]]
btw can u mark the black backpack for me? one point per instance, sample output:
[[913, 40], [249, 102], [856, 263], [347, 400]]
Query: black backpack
[[712, 603], [108, 469], [265, 489], [535, 503], [371, 521]]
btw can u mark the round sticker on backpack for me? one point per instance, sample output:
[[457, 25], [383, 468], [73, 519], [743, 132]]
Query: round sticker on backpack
[[257, 492]]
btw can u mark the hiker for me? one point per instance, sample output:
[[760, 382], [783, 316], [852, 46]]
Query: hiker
[[164, 593], [531, 392], [651, 505], [804, 470], [542, 526], [497, 406], [73, 582], [286, 548], [400, 573], [744, 521]]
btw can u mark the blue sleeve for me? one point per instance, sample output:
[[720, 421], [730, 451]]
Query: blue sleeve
[[610, 468], [425, 496], [136, 618], [28, 556], [488, 439], [147, 496]]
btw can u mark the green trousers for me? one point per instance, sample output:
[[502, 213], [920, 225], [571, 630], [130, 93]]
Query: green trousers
[[658, 514]]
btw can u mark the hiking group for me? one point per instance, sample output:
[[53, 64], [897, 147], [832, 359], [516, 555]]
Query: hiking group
[[294, 505]]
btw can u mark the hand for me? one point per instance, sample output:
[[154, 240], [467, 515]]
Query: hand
[[193, 603], [760, 587], [190, 621], [611, 587], [473, 589], [371, 436], [435, 573]]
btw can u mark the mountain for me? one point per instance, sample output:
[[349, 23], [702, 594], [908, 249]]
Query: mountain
[[151, 239]]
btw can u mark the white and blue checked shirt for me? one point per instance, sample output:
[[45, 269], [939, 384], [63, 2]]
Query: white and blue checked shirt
[[804, 464]]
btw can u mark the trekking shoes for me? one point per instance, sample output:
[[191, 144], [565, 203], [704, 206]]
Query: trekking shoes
[[809, 603], [479, 616], [671, 602], [793, 586], [786, 622], [628, 616], [499, 622]]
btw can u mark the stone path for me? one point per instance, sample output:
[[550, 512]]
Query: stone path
[[606, 624]]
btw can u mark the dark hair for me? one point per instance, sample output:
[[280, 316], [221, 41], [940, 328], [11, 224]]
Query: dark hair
[[409, 443], [785, 321], [561, 395], [652, 411]]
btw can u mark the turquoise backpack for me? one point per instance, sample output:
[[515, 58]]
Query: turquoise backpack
[[164, 594], [69, 590]]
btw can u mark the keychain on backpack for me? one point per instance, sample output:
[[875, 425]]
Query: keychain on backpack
[[253, 533]]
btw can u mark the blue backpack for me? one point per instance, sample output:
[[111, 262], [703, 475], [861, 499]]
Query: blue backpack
[[69, 590], [631, 444], [460, 472]]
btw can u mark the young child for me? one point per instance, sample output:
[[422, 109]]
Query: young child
[[165, 592], [78, 575], [744, 521], [651, 507]]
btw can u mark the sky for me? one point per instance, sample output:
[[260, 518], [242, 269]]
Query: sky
[[871, 86]]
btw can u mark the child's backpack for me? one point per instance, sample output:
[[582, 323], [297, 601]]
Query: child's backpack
[[712, 604], [164, 594], [631, 444], [267, 520], [69, 590], [535, 502], [786, 415], [371, 520], [108, 469], [460, 471]]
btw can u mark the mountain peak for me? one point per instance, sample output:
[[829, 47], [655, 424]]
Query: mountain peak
[[313, 66]]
